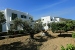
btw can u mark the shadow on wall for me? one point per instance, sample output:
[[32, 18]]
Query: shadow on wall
[[19, 46]]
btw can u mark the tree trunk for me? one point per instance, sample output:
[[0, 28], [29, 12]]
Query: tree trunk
[[60, 33]]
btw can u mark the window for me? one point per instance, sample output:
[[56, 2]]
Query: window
[[14, 16], [51, 19], [0, 28], [11, 24], [23, 16], [42, 19], [29, 17]]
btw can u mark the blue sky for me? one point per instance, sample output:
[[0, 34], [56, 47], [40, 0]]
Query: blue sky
[[40, 8]]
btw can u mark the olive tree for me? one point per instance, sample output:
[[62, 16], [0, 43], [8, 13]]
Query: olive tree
[[2, 18], [17, 22], [58, 27], [37, 27]]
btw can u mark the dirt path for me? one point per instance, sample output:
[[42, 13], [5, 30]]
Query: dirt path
[[55, 44], [11, 40], [49, 44]]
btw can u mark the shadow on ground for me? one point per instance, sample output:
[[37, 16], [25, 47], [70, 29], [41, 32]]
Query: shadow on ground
[[65, 35], [40, 39], [12, 36], [20, 46], [49, 35], [44, 38]]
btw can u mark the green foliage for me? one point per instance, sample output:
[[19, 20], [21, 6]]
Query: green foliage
[[10, 32], [73, 34], [37, 27], [66, 26], [44, 24], [26, 25], [17, 22], [58, 26], [70, 25], [62, 48], [53, 27], [69, 47], [49, 25], [2, 18], [21, 31]]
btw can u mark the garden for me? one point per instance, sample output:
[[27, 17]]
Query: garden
[[58, 37]]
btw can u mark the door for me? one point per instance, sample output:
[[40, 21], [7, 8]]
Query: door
[[0, 28]]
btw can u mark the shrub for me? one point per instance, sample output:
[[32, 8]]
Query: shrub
[[10, 32], [59, 27], [62, 48], [3, 33], [54, 27], [37, 27], [73, 34], [69, 47], [21, 31]]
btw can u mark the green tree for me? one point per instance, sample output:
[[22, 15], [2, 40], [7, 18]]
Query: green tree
[[69, 25], [22, 23], [49, 25], [73, 25], [2, 18], [17, 22], [58, 27], [26, 26], [54, 27], [37, 27]]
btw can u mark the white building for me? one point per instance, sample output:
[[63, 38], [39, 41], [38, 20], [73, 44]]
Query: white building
[[48, 19], [11, 15]]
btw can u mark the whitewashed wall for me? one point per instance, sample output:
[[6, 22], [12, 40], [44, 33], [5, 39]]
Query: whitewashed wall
[[48, 19], [8, 16]]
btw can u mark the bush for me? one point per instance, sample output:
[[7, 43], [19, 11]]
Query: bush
[[10, 32], [53, 27], [73, 34], [57, 27], [3, 33], [62, 48], [37, 27], [69, 47], [21, 31]]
